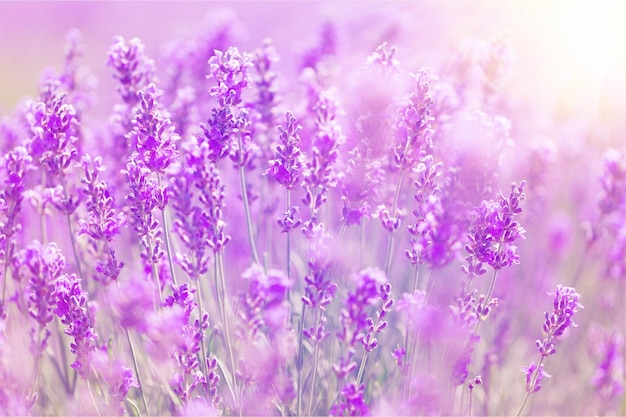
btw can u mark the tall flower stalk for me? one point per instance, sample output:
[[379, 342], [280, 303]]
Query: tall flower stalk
[[565, 305]]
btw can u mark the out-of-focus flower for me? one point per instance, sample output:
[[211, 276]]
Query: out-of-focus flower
[[606, 347], [352, 402], [133, 69]]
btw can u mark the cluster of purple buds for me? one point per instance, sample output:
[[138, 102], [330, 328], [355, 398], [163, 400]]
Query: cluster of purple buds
[[415, 124], [76, 312], [227, 128], [369, 341], [188, 349], [153, 137], [53, 123], [288, 163], [133, 68], [493, 232], [103, 222], [566, 303]]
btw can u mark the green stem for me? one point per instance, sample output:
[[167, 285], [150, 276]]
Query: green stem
[[394, 208], [136, 366], [166, 233], [246, 207], [202, 344], [222, 300], [532, 385], [300, 361]]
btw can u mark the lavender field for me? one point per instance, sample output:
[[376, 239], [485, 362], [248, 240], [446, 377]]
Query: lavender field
[[311, 209]]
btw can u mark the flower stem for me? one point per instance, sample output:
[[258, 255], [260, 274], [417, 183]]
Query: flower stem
[[222, 300], [532, 386], [246, 207], [394, 209], [166, 233]]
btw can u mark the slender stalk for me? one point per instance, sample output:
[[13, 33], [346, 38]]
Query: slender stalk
[[489, 293], [93, 399], [394, 208], [532, 385], [166, 233], [35, 372], [222, 300], [316, 356], [300, 360], [361, 369], [136, 366], [202, 344], [246, 207]]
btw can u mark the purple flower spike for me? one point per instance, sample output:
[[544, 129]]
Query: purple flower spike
[[494, 230], [288, 163], [566, 303], [72, 307], [133, 68], [153, 137], [230, 70]]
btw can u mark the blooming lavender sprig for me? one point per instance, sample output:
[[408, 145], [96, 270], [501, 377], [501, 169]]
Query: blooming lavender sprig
[[16, 164], [565, 305], [429, 213], [145, 196], [43, 265], [359, 328], [320, 174], [189, 375], [227, 127], [415, 124], [288, 163], [359, 183], [72, 306], [133, 68], [53, 123], [494, 230], [104, 221], [263, 110], [153, 136]]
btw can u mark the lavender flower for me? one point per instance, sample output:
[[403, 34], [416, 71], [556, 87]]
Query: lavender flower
[[494, 230], [288, 164], [320, 174], [103, 223], [414, 126], [263, 109], [53, 123], [17, 164], [352, 402], [133, 69], [566, 303], [354, 316], [153, 137], [534, 375], [264, 303], [75, 311], [188, 350]]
